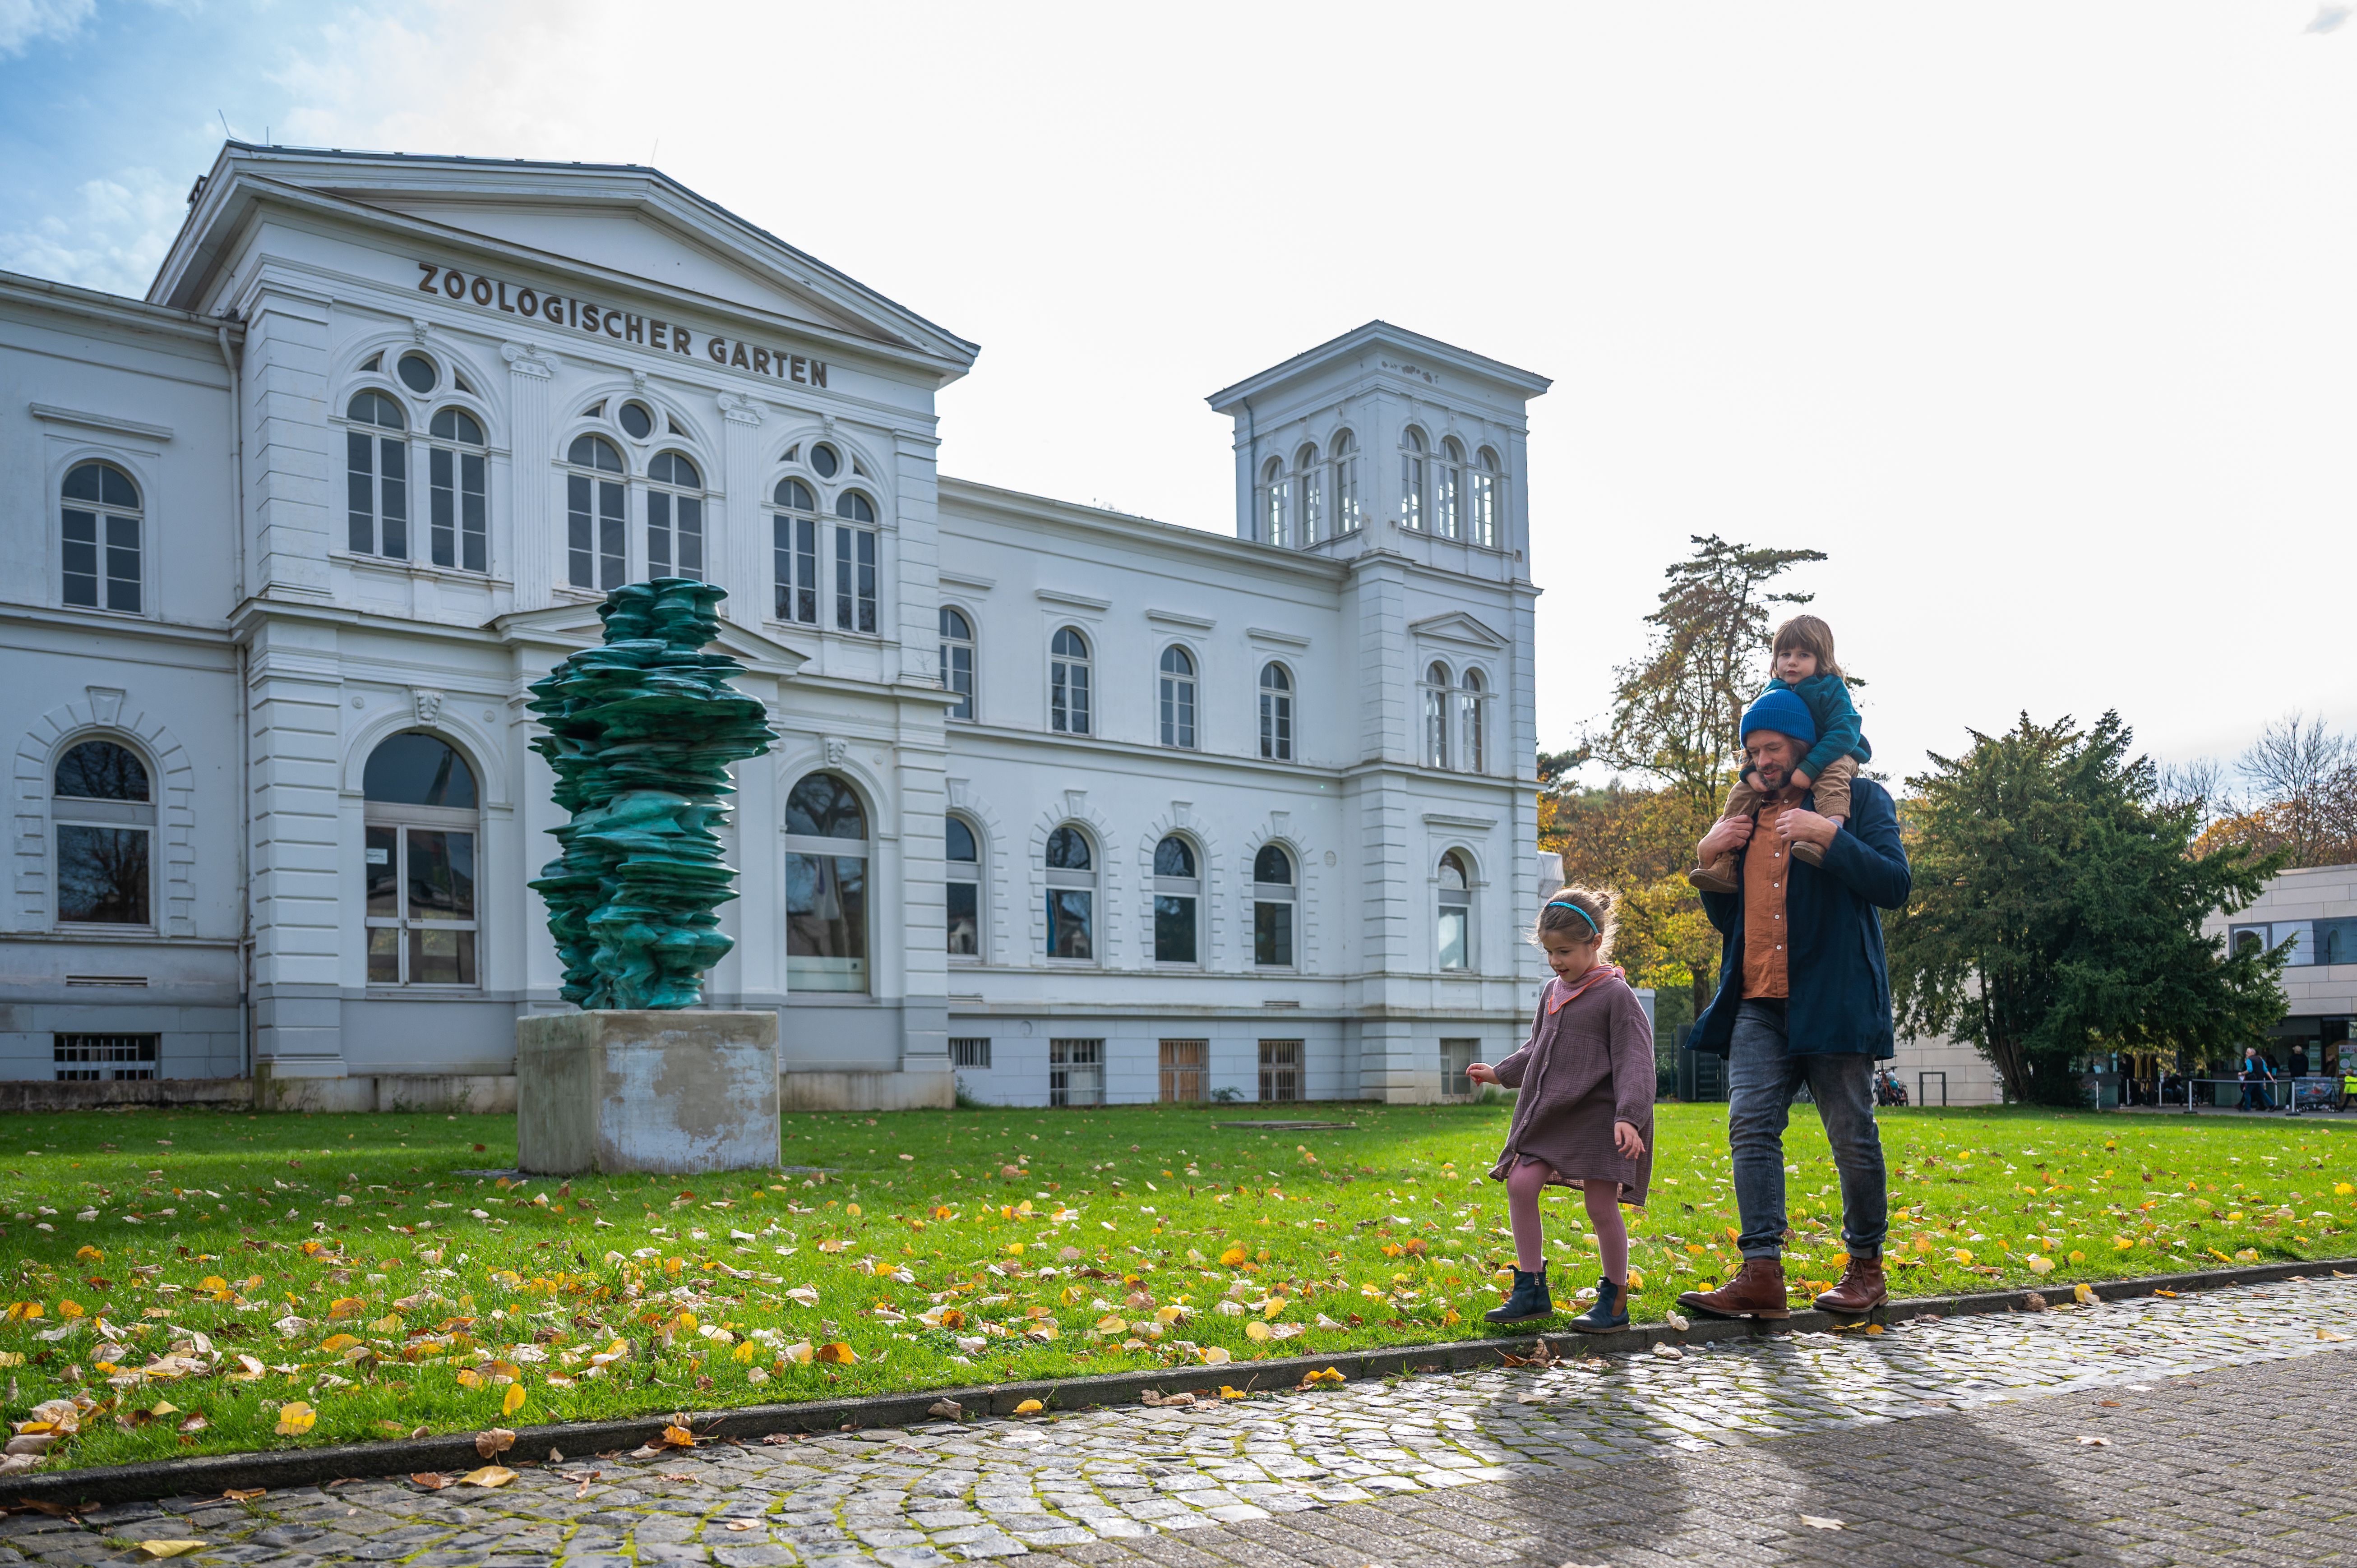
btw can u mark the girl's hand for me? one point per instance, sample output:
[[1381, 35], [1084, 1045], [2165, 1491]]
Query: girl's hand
[[1482, 1072], [1628, 1141]]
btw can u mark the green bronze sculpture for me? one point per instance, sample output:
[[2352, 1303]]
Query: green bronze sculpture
[[640, 731]]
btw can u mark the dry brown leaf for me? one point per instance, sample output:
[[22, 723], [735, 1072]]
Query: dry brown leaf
[[495, 1441], [489, 1476], [168, 1548], [246, 1496], [675, 1436], [430, 1481]]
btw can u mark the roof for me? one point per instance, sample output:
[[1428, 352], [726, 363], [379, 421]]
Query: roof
[[1527, 383]]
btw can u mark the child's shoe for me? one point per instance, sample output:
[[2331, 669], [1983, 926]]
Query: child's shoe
[[1807, 854], [1611, 1311], [1718, 876], [1530, 1299]]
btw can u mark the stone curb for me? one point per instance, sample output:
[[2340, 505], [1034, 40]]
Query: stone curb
[[210, 1475]]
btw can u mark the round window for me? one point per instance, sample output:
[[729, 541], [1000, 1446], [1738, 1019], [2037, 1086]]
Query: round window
[[825, 462], [416, 372], [637, 423]]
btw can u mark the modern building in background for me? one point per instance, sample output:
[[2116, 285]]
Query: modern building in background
[[2312, 913], [1070, 805]]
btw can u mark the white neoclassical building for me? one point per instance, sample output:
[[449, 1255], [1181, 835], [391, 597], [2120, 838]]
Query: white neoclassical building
[[1070, 805]]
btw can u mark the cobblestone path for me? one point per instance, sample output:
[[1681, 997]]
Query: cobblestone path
[[1207, 1483]]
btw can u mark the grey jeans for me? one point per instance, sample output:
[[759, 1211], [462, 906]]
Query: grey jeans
[[1763, 1073]]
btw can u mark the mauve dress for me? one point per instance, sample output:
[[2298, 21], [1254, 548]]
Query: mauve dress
[[1589, 1063]]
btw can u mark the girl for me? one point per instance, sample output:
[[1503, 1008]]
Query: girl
[[1585, 1108]]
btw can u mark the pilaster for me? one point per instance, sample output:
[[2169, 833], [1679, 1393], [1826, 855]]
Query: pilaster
[[533, 546], [290, 466], [742, 563]]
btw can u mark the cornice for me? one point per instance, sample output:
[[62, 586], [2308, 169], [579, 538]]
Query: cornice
[[46, 295], [985, 501], [52, 414], [1497, 373]]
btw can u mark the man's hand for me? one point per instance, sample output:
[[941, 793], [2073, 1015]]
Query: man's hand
[[1796, 824], [1482, 1072], [1726, 836], [1627, 1140]]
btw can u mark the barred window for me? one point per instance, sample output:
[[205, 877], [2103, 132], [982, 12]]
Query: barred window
[[1280, 1072], [1183, 1064], [1076, 1072], [98, 1058], [972, 1053]]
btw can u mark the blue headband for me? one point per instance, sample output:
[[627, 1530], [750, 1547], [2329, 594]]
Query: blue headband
[[1568, 904]]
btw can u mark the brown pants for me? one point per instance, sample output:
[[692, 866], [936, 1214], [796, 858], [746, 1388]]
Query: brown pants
[[1831, 791]]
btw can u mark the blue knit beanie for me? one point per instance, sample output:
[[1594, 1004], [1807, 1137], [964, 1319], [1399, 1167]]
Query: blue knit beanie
[[1782, 710]]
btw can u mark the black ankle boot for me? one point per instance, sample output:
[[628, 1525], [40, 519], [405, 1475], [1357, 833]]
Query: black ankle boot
[[1611, 1311], [1530, 1299]]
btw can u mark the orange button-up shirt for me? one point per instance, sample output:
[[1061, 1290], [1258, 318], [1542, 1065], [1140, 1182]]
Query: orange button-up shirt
[[1767, 862]]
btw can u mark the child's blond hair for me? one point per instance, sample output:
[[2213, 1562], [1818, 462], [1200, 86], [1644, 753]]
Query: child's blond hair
[[1585, 912], [1809, 634]]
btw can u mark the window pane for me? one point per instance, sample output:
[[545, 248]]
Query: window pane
[[385, 955], [100, 770], [957, 674], [1069, 912], [690, 537], [1174, 929], [473, 555], [806, 572], [382, 872], [393, 485], [1273, 866], [1452, 937], [1273, 935], [609, 534], [103, 875], [441, 957], [580, 534], [658, 534], [823, 806], [957, 840], [359, 493], [964, 919], [1068, 850], [842, 612], [79, 537], [122, 563], [826, 923], [1174, 857], [442, 505], [441, 875], [412, 770]]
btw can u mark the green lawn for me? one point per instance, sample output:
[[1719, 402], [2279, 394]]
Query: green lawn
[[365, 1277]]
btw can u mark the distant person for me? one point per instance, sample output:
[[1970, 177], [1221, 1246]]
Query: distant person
[[2253, 1076], [1585, 1109], [1804, 668], [2298, 1064], [1804, 1002]]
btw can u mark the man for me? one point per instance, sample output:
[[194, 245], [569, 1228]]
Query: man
[[1804, 1000], [2255, 1072]]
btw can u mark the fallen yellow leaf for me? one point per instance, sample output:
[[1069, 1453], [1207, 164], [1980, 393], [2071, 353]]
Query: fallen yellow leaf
[[166, 1548], [489, 1476], [837, 1352], [1029, 1407], [295, 1418], [1234, 1256], [512, 1400]]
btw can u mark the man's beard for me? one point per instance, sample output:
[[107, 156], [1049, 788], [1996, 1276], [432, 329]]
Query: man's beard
[[1771, 777]]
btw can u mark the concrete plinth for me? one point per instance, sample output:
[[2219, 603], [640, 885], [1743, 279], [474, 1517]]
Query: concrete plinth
[[673, 1092]]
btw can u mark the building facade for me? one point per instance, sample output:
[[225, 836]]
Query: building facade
[[1069, 805], [2312, 913]]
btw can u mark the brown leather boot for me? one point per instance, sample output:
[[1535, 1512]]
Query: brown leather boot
[[1862, 1288], [1718, 876], [1756, 1292]]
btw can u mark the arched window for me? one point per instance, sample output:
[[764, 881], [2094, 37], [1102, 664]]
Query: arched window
[[1178, 890], [1437, 698], [1469, 751], [1071, 896], [854, 561], [596, 534], [962, 853], [376, 477], [1275, 505], [1482, 513], [827, 886], [1445, 478], [1455, 913], [1310, 475], [793, 541], [103, 810], [1412, 466], [674, 518], [1276, 713], [1068, 682], [957, 661], [1346, 483], [100, 531], [1275, 896], [1177, 697], [418, 872], [456, 513]]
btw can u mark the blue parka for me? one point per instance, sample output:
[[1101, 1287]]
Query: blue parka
[[1839, 986]]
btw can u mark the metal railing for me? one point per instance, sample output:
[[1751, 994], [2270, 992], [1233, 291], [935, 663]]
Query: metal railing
[[2289, 1095]]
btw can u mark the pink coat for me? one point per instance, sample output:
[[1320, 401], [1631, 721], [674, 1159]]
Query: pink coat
[[1589, 1063]]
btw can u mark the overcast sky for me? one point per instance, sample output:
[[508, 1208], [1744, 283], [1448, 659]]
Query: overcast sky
[[2040, 318]]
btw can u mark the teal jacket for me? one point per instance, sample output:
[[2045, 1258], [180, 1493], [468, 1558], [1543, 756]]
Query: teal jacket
[[1839, 733]]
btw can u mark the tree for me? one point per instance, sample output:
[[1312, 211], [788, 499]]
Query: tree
[[2306, 781], [2058, 910], [1674, 715]]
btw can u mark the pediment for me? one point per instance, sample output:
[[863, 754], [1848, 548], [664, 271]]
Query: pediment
[[1459, 628], [569, 626], [615, 226]]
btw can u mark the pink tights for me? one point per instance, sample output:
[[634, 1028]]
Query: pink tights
[[1523, 1187]]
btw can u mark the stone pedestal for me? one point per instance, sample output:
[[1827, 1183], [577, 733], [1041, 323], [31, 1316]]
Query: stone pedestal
[[674, 1091]]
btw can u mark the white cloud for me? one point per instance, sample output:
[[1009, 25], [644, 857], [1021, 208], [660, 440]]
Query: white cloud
[[113, 241], [23, 22]]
